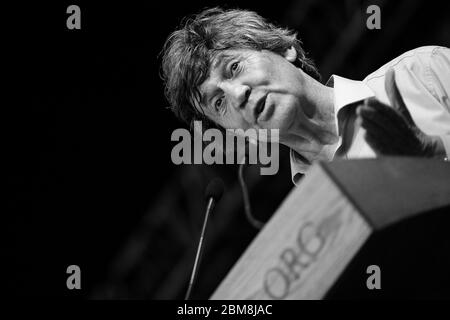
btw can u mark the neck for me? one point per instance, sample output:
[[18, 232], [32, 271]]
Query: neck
[[314, 133]]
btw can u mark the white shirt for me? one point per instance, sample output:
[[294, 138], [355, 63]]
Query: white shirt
[[422, 76]]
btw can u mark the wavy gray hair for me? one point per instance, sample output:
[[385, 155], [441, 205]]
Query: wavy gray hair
[[189, 51]]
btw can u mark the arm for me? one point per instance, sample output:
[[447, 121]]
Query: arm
[[439, 86], [392, 131]]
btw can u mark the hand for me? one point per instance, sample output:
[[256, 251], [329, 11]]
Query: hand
[[391, 130]]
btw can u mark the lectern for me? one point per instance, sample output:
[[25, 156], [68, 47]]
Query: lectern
[[323, 223]]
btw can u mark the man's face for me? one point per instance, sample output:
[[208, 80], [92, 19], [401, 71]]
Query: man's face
[[253, 89]]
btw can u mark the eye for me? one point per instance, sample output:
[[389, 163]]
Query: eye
[[219, 103], [234, 67]]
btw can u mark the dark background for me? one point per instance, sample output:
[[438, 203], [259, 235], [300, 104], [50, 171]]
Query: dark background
[[89, 176]]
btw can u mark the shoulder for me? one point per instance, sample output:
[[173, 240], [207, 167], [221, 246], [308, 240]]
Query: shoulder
[[415, 61], [423, 70]]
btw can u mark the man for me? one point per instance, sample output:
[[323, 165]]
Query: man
[[232, 69]]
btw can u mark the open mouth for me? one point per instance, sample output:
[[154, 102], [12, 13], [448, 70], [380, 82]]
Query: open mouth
[[259, 108], [263, 110]]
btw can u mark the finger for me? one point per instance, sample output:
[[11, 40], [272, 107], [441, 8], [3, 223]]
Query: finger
[[387, 138], [395, 97], [386, 132], [376, 144], [380, 131], [390, 120], [384, 140], [377, 104], [376, 129], [384, 116], [381, 148]]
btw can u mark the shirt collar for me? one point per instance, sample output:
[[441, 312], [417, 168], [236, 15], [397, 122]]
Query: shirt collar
[[345, 92], [348, 91]]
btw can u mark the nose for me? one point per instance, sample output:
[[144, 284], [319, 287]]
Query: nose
[[236, 93]]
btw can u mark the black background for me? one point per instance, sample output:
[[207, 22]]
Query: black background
[[88, 131]]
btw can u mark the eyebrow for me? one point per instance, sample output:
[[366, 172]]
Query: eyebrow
[[221, 61]]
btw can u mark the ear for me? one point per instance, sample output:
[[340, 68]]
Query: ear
[[290, 54]]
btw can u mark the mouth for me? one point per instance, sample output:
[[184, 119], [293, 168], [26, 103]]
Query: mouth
[[263, 110], [259, 107]]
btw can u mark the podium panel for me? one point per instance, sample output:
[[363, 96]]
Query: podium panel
[[323, 222]]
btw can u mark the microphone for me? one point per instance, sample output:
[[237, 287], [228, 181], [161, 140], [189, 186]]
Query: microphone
[[214, 190], [245, 196], [213, 193]]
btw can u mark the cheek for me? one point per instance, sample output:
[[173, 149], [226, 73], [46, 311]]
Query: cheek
[[233, 120], [284, 113]]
